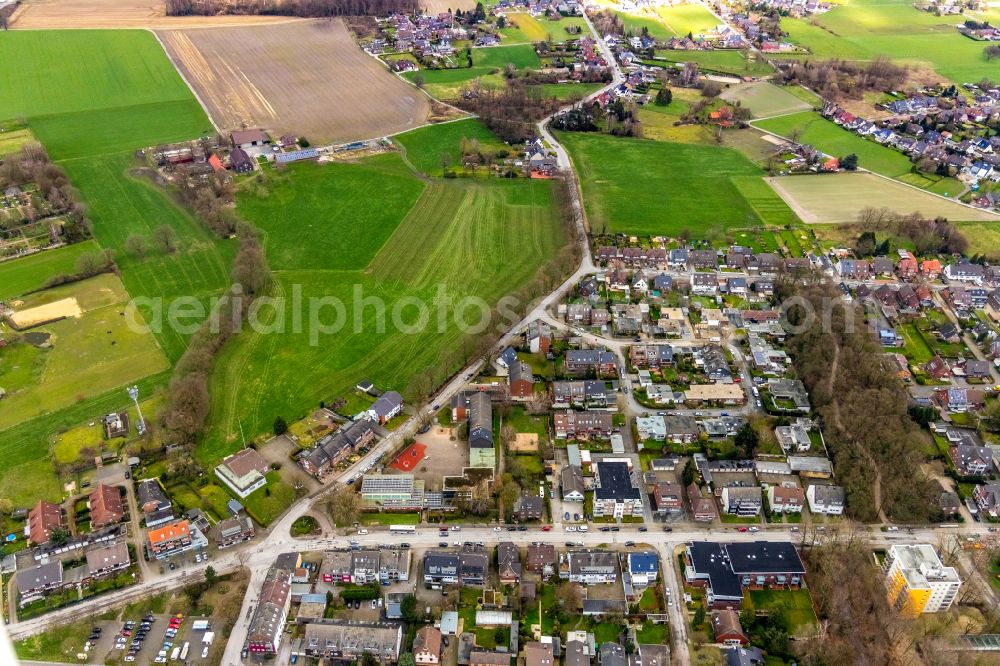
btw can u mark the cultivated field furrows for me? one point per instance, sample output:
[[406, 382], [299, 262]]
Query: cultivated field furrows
[[91, 14], [307, 78]]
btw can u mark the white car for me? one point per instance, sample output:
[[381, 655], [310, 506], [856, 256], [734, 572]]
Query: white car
[[362, 531], [456, 528], [204, 652], [582, 528], [892, 529], [570, 528], [496, 529], [754, 529]]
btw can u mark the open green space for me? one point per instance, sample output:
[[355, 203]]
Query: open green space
[[86, 356], [636, 186], [765, 99], [266, 504], [19, 276], [488, 64], [13, 138], [983, 237], [311, 198], [812, 128], [841, 197], [865, 29], [425, 146], [461, 238], [795, 604], [722, 61], [770, 207], [692, 18]]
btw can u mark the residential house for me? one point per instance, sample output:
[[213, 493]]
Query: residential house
[[591, 360], [473, 567], [107, 558], [529, 507], [590, 567], [243, 472], [34, 583], [582, 425], [268, 622], [347, 641], [427, 646], [668, 496], [741, 500], [541, 559], [169, 539], [724, 569], [42, 520], [987, 497], [106, 507], [154, 503], [440, 568], [571, 480], [240, 161], [538, 337], [484, 658], [917, 581], [250, 138], [825, 499], [727, 628], [385, 407], [481, 447], [521, 381], [930, 269], [615, 491], [937, 368], [702, 508], [702, 260], [643, 568], [234, 530], [965, 272], [333, 449], [704, 284], [508, 563], [538, 654], [971, 460], [782, 499], [680, 428]]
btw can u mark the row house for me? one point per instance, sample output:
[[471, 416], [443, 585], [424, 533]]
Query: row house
[[333, 449], [651, 356], [579, 393], [582, 425], [591, 360]]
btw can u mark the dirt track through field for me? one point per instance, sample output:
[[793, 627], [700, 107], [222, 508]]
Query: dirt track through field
[[307, 78], [70, 14], [67, 307]]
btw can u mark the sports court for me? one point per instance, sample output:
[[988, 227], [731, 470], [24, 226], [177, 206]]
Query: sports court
[[408, 459]]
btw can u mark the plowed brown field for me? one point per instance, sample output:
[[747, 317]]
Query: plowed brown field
[[307, 78], [68, 14]]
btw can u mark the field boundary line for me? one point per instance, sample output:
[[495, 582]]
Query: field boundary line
[[180, 73]]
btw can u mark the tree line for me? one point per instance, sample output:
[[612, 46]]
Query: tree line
[[928, 236], [875, 445], [831, 78], [510, 112], [302, 8]]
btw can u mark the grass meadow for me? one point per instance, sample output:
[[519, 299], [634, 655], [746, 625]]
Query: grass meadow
[[721, 61], [864, 29], [19, 276], [668, 22], [488, 64], [92, 98], [89, 354], [838, 198], [765, 99], [425, 146], [467, 237], [653, 187], [812, 128]]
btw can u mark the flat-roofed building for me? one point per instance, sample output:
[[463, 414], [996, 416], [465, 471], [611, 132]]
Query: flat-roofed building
[[917, 581]]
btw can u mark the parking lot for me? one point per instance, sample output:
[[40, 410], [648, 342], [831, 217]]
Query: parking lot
[[158, 639]]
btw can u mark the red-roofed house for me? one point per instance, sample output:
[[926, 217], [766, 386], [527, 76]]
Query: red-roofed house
[[930, 268], [216, 163], [105, 506], [42, 519]]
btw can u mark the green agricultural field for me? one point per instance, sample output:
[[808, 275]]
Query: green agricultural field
[[488, 64], [984, 238], [864, 29], [812, 128], [528, 29], [424, 146], [765, 201], [19, 276], [837, 198], [13, 138], [722, 61], [635, 186], [468, 238], [89, 354], [72, 71], [764, 99], [691, 18], [312, 199]]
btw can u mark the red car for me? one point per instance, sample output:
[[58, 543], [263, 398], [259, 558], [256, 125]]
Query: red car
[[743, 529], [546, 528]]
